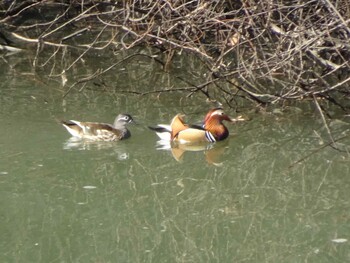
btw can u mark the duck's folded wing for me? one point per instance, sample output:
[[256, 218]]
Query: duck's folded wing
[[192, 135], [100, 129]]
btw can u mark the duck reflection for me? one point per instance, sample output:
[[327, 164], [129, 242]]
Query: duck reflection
[[75, 143], [213, 153]]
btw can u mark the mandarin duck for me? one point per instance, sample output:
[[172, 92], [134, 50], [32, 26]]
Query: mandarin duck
[[100, 131], [212, 129]]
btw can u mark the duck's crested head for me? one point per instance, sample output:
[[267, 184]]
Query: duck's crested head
[[217, 114], [123, 119]]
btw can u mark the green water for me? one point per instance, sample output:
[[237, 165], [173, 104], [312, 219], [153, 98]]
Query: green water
[[246, 200]]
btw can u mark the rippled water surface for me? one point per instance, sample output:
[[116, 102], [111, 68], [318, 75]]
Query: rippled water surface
[[273, 192]]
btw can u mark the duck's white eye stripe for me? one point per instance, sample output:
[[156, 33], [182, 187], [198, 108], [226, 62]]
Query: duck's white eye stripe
[[124, 118], [217, 112]]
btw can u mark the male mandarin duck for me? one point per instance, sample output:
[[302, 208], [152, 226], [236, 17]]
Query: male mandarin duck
[[212, 130], [100, 131]]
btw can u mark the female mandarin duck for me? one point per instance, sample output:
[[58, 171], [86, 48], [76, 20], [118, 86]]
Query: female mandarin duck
[[100, 131], [212, 130]]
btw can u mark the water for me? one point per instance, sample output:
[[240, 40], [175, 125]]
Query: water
[[245, 200]]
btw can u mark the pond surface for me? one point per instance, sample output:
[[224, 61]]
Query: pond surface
[[248, 199]]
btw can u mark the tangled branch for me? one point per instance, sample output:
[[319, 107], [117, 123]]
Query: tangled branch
[[263, 51]]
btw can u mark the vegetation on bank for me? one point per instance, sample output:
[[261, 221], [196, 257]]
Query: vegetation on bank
[[263, 51]]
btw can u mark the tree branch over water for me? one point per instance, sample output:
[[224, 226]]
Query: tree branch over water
[[264, 51]]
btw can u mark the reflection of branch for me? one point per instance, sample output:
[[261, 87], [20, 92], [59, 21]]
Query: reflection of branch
[[82, 80], [316, 151], [199, 87], [324, 120], [191, 89], [254, 96], [100, 72]]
